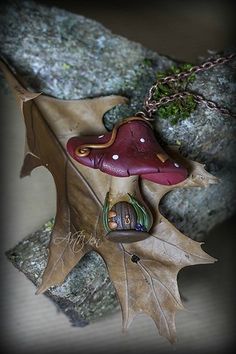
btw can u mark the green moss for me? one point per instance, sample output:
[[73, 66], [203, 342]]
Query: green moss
[[65, 66], [49, 225], [180, 108], [147, 62]]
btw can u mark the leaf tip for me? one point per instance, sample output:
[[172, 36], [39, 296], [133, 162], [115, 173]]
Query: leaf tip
[[171, 337], [108, 102], [199, 176], [173, 340], [13, 81], [214, 180], [210, 259], [41, 289], [126, 323], [123, 100], [30, 163]]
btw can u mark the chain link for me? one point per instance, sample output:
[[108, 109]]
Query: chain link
[[151, 105]]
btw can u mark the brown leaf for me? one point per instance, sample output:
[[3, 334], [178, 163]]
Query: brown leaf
[[69, 242], [144, 273]]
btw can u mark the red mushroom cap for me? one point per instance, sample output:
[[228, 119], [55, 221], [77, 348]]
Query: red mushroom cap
[[135, 151]]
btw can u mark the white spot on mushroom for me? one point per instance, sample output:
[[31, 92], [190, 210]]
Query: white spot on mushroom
[[115, 157], [100, 136], [142, 140], [176, 164]]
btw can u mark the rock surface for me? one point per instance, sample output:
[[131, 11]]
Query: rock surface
[[71, 57], [85, 295]]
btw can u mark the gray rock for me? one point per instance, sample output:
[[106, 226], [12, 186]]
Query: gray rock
[[70, 57], [86, 294]]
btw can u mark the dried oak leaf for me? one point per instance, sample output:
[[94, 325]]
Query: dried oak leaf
[[144, 273]]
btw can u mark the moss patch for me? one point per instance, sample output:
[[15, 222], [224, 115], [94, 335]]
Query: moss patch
[[180, 108]]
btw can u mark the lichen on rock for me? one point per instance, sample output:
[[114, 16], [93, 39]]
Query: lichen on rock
[[86, 294]]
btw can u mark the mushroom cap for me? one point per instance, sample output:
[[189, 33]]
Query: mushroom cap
[[135, 151]]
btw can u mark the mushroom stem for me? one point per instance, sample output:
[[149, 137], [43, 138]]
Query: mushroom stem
[[121, 187]]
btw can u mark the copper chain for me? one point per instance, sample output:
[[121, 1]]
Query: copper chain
[[151, 105]]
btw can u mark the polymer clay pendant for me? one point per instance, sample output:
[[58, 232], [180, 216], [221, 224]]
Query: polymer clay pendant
[[128, 153], [109, 185]]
